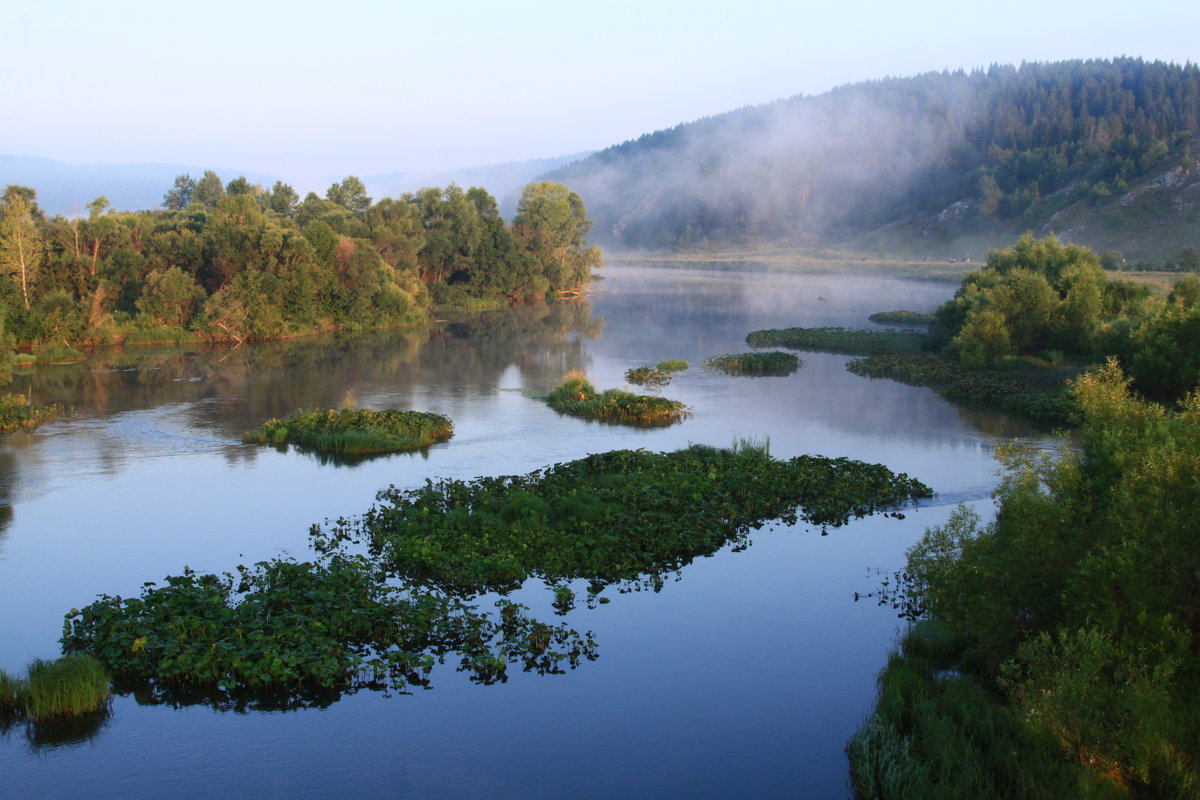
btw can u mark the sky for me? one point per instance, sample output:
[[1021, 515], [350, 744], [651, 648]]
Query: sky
[[301, 89]]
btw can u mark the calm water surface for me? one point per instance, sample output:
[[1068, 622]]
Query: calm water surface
[[743, 678]]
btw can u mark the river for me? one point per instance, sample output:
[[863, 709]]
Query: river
[[743, 678]]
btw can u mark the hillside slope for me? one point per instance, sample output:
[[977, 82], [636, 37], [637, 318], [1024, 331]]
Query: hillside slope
[[1083, 148]]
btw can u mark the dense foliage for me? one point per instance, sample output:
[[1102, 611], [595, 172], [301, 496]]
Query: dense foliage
[[1005, 145], [237, 262], [755, 364], [355, 431], [1078, 605], [612, 517], [578, 397]]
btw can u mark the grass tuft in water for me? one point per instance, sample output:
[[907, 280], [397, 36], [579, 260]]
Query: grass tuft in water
[[68, 687], [355, 431], [849, 341]]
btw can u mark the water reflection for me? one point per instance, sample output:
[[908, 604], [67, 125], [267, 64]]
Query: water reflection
[[57, 732]]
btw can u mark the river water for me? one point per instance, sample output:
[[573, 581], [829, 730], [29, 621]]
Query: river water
[[743, 678]]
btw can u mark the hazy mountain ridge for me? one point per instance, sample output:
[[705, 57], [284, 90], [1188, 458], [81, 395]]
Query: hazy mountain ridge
[[918, 163]]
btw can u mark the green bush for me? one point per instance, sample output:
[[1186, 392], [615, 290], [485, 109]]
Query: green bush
[[578, 397], [355, 431]]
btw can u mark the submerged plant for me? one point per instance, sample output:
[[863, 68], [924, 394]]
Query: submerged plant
[[755, 364], [578, 397], [355, 431]]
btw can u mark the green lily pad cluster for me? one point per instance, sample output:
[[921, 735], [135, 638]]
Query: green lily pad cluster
[[295, 628], [624, 515]]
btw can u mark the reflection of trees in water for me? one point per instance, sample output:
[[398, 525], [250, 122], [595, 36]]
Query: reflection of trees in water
[[6, 518], [58, 731], [995, 424], [224, 391]]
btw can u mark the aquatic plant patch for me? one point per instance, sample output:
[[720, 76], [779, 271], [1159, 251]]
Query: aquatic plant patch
[[292, 628], [578, 397], [755, 364], [647, 376], [621, 516], [672, 365], [1039, 394], [17, 413], [355, 431], [914, 318], [848, 341]]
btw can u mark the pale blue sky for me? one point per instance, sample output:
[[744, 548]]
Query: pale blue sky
[[300, 89]]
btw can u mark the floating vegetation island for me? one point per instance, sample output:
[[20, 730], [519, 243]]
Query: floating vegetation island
[[848, 341], [287, 634], [578, 397], [659, 375], [755, 364], [625, 515], [355, 431]]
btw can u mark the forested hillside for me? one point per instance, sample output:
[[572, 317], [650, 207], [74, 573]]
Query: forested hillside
[[1092, 150]]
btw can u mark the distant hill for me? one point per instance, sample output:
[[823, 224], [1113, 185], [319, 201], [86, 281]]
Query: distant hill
[[66, 188], [1103, 152]]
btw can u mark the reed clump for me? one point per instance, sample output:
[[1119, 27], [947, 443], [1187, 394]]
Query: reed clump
[[773, 363], [355, 431], [578, 397], [71, 686]]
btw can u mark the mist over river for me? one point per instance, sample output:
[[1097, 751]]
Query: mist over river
[[743, 678]]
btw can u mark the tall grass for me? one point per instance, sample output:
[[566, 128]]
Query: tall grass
[[71, 686]]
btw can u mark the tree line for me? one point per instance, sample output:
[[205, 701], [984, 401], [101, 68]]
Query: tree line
[[236, 261]]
